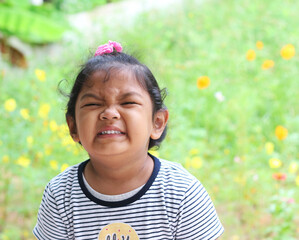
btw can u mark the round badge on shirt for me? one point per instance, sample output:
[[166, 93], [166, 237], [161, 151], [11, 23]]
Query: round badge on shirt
[[118, 231]]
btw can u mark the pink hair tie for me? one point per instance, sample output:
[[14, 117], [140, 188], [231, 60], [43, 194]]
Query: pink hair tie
[[108, 48]]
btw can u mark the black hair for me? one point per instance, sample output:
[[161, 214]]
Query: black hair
[[118, 61]]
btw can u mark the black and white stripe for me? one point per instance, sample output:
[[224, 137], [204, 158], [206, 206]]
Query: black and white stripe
[[171, 205]]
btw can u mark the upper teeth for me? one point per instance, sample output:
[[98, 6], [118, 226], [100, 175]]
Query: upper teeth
[[111, 132]]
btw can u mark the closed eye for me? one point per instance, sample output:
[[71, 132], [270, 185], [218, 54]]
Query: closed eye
[[129, 103], [91, 104]]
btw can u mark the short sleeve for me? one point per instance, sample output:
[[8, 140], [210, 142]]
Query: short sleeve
[[49, 222], [197, 218]]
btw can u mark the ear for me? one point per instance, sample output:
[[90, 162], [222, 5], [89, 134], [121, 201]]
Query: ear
[[72, 128], [160, 121]]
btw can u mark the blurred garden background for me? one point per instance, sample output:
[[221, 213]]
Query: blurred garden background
[[231, 70]]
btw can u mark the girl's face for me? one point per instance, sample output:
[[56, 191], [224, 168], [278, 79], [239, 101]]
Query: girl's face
[[114, 117]]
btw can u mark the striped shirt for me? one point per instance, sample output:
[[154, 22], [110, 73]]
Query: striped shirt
[[171, 205]]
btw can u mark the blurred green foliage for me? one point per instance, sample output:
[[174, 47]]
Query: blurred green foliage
[[30, 26], [227, 142], [40, 24], [73, 6], [33, 24]]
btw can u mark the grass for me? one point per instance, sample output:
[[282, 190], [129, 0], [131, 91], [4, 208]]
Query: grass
[[223, 143]]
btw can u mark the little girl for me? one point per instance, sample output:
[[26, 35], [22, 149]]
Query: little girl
[[116, 112]]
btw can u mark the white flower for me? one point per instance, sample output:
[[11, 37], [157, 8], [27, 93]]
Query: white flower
[[237, 159], [219, 96], [255, 177], [37, 2]]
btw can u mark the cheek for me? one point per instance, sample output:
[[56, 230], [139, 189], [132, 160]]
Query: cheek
[[85, 123], [86, 116], [140, 126]]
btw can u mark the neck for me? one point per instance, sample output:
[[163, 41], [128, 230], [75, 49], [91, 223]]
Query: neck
[[123, 177]]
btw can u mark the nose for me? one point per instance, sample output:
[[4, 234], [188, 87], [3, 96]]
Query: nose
[[109, 113]]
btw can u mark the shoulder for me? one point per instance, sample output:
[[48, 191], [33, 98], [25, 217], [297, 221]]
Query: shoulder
[[64, 182], [176, 180], [176, 172], [66, 177], [196, 216]]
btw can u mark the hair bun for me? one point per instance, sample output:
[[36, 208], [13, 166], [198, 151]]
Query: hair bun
[[108, 48]]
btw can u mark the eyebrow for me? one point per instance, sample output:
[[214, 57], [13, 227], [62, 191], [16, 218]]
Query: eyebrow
[[90, 95], [125, 95], [129, 94]]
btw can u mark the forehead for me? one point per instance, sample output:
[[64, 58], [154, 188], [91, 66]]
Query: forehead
[[120, 80]]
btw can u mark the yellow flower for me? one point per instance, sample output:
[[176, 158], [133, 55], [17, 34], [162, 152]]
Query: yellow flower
[[10, 105], [250, 55], [267, 64], [44, 110], [40, 74], [281, 132], [275, 163], [155, 153], [293, 167], [64, 128], [240, 180], [54, 164], [269, 146], [25, 113], [53, 126], [297, 181], [76, 151], [63, 131], [23, 161], [235, 237], [226, 151], [26, 234], [29, 140], [39, 155], [48, 150], [196, 162], [67, 141], [63, 167], [259, 45], [203, 82], [5, 159], [287, 51], [194, 151]]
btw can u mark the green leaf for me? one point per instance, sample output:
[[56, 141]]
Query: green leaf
[[29, 26]]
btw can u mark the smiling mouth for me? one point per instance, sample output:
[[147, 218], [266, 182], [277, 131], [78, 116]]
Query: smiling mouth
[[110, 132]]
